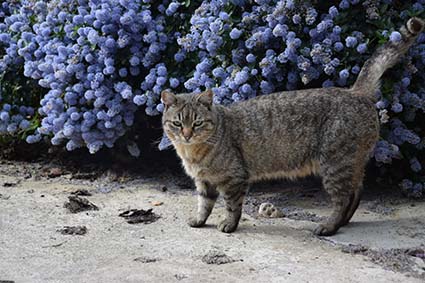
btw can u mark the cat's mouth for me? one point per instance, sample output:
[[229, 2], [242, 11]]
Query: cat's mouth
[[189, 142], [184, 141]]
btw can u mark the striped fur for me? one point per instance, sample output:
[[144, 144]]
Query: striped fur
[[330, 132]]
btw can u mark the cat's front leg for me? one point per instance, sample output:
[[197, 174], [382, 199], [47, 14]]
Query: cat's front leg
[[207, 196], [233, 195]]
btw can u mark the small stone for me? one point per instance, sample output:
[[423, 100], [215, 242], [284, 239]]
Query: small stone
[[217, 257], [54, 172], [157, 203], [77, 204], [134, 216], [270, 211], [73, 230]]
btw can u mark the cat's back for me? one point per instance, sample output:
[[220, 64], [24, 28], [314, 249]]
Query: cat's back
[[308, 104], [283, 130]]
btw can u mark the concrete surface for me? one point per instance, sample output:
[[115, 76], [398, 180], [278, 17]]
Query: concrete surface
[[263, 250]]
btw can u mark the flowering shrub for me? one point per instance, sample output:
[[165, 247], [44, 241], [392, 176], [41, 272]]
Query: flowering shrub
[[76, 72]]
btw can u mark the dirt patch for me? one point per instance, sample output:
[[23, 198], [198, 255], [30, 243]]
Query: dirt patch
[[77, 204], [4, 197], [81, 192], [53, 172], [410, 260], [10, 184], [288, 199], [354, 249], [85, 176], [134, 216], [145, 259], [296, 213], [180, 276], [416, 252], [73, 230], [398, 260], [379, 207], [217, 257]]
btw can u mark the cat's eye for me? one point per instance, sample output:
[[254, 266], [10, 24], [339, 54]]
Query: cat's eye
[[198, 123], [177, 123]]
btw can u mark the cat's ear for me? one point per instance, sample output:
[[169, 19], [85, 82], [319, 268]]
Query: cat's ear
[[168, 98], [205, 97]]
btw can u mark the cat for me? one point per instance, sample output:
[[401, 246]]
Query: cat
[[329, 132]]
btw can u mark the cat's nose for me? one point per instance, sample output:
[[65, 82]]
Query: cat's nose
[[187, 133]]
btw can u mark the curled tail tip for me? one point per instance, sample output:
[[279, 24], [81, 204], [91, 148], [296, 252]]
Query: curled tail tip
[[415, 26]]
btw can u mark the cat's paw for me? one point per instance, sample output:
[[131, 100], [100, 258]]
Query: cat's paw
[[325, 230], [227, 226], [195, 222]]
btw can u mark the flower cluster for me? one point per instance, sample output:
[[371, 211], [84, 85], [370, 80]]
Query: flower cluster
[[89, 56], [265, 46], [16, 110], [92, 64]]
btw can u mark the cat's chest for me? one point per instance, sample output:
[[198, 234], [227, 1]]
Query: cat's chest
[[193, 157], [194, 170]]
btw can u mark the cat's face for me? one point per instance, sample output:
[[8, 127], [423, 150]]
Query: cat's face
[[188, 118]]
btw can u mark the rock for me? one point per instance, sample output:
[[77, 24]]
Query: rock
[[77, 204], [54, 172], [270, 211], [134, 216], [217, 257], [73, 230], [10, 184]]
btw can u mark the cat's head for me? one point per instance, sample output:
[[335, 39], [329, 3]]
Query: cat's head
[[188, 118]]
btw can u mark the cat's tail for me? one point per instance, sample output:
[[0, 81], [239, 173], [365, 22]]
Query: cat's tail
[[386, 56]]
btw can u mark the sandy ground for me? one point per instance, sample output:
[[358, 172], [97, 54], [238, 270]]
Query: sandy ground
[[168, 250]]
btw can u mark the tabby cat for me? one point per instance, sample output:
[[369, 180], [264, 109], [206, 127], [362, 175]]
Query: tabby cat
[[328, 131]]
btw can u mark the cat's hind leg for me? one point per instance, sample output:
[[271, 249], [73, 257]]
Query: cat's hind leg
[[353, 206], [207, 196], [362, 156], [338, 181]]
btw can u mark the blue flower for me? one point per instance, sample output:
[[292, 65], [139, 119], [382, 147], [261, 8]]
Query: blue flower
[[362, 48], [395, 36], [397, 107], [338, 46], [415, 164], [344, 74], [235, 33], [350, 41]]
